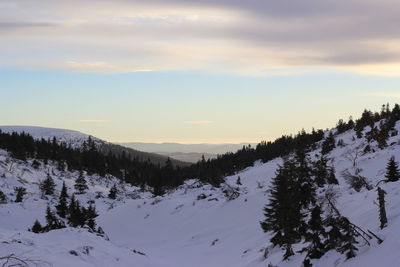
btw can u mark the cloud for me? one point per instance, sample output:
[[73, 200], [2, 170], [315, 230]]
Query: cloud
[[93, 121], [100, 67], [197, 122], [247, 37]]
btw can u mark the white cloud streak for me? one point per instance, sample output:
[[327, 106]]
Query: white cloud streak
[[254, 37]]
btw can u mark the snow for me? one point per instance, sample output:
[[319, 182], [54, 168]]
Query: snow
[[70, 137], [179, 229]]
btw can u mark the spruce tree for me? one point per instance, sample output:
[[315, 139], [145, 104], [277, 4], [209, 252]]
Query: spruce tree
[[62, 207], [37, 227], [315, 234], [113, 192], [91, 214], [21, 191], [52, 221], [303, 179], [74, 211], [382, 209], [3, 198], [81, 184], [47, 186], [392, 170], [329, 144], [348, 238], [334, 234], [283, 212]]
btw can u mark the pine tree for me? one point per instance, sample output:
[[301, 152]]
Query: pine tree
[[81, 184], [329, 144], [113, 192], [335, 236], [52, 221], [382, 209], [21, 191], [62, 207], [283, 215], [314, 234], [37, 227], [392, 170], [349, 239], [74, 211], [304, 182], [91, 214], [3, 198], [47, 186]]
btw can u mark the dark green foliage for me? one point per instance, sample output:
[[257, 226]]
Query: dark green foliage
[[392, 170], [37, 227], [329, 144], [113, 192], [349, 240], [382, 210], [52, 221], [283, 215], [74, 211], [80, 184], [303, 179], [3, 198], [315, 234], [91, 214], [323, 173], [62, 207], [20, 191], [47, 186], [334, 235]]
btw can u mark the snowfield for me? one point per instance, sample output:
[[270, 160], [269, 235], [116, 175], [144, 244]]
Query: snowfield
[[195, 225]]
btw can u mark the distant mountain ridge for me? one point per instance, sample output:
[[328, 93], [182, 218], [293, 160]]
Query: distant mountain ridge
[[76, 140], [186, 152]]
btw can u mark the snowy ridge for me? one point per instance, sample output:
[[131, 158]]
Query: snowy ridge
[[70, 137], [196, 225]]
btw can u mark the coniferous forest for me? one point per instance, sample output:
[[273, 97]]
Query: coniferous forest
[[141, 172]]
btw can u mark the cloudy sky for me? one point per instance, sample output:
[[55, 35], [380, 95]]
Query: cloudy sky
[[196, 71]]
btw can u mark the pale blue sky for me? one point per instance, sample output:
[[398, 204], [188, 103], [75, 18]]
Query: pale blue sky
[[195, 71], [188, 107]]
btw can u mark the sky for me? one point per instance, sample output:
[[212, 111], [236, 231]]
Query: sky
[[221, 71]]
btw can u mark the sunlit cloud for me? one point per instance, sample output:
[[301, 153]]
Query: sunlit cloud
[[197, 122], [252, 37]]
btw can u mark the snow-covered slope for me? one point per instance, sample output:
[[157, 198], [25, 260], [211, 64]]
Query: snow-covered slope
[[70, 137], [76, 140], [195, 225]]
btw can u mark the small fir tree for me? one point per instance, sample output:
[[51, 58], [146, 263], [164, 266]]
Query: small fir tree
[[81, 184], [37, 227], [62, 207], [20, 191], [113, 192], [315, 234], [3, 198], [329, 144], [47, 186], [348, 238], [392, 170], [91, 214]]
